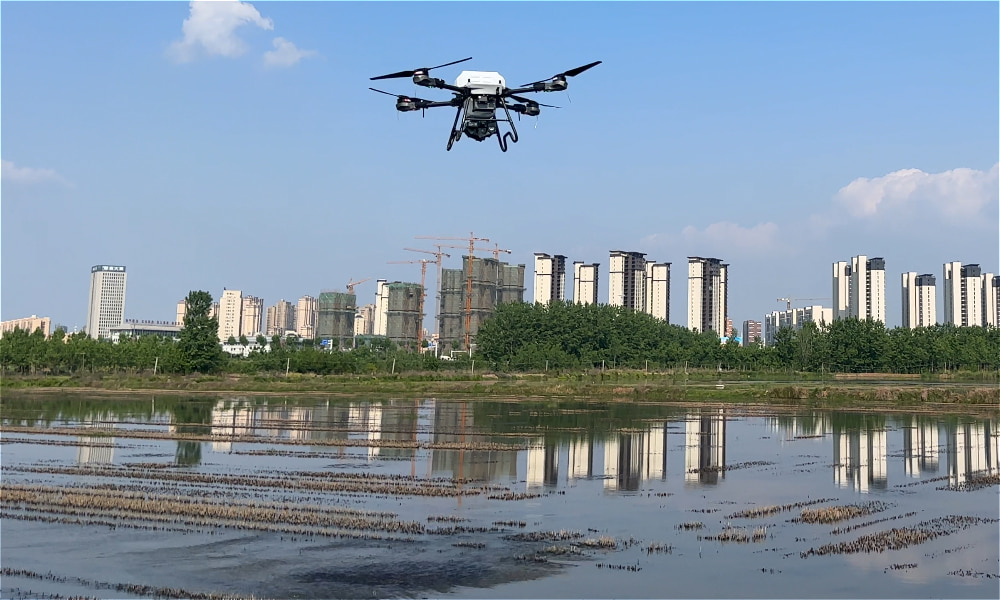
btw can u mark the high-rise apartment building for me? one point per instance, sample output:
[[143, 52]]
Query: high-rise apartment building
[[585, 282], [868, 288], [963, 294], [550, 278], [280, 318], [658, 290], [107, 300], [364, 320], [627, 280], [305, 318], [841, 290], [252, 316], [493, 283], [919, 300], [708, 294], [752, 332], [381, 324], [859, 288], [991, 300], [230, 314]]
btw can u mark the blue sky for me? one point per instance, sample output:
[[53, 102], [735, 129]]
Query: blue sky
[[246, 151]]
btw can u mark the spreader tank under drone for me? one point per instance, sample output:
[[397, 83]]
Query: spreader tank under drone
[[479, 97]]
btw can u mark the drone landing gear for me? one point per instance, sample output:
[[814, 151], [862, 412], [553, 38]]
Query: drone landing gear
[[455, 133], [510, 135]]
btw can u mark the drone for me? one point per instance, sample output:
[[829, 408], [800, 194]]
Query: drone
[[479, 96]]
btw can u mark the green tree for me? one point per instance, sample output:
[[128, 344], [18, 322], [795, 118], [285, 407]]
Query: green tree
[[231, 341], [261, 340], [243, 340], [199, 342]]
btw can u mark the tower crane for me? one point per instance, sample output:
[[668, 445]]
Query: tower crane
[[350, 286], [472, 239], [423, 293], [789, 301], [437, 296]]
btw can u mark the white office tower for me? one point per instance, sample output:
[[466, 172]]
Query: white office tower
[[919, 304], [658, 290], [230, 314], [708, 296], [305, 318], [867, 283], [381, 326], [107, 300], [627, 280], [963, 294], [585, 280], [550, 278], [841, 290], [991, 300]]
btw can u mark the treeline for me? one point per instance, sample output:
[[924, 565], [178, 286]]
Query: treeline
[[24, 353], [525, 337]]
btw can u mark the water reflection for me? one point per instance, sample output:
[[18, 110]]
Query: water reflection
[[921, 447], [705, 447], [860, 458], [620, 447], [98, 447]]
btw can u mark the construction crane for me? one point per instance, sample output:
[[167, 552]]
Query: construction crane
[[423, 293], [497, 250], [789, 301], [472, 239], [437, 295], [350, 286]]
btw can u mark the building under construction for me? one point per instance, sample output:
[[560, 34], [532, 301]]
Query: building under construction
[[403, 319], [335, 313], [493, 283]]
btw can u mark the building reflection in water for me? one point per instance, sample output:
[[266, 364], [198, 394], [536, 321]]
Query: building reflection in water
[[543, 464], [705, 446], [454, 423], [859, 456], [630, 457], [972, 450], [581, 459], [921, 447], [230, 421], [96, 449]]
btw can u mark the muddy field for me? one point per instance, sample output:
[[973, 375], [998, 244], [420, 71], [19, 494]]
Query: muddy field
[[239, 497]]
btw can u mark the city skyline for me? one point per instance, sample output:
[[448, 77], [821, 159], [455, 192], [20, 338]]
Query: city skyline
[[886, 145]]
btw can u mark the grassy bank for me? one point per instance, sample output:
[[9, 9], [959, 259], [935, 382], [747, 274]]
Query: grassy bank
[[878, 390]]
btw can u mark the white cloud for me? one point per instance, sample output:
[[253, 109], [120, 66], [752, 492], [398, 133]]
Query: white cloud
[[27, 175], [210, 30], [730, 236], [285, 54], [956, 193]]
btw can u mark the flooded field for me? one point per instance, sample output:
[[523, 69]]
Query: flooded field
[[308, 497]]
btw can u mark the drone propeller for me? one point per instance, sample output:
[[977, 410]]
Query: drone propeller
[[415, 71], [530, 101], [394, 95], [570, 73]]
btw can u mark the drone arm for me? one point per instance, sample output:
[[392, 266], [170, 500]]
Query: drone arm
[[535, 87], [433, 82]]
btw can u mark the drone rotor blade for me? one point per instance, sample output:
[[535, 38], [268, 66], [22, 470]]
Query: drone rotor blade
[[386, 93], [529, 100], [394, 75], [578, 70], [570, 73], [424, 69], [454, 62]]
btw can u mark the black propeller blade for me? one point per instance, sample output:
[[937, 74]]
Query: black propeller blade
[[530, 101], [414, 71], [570, 73]]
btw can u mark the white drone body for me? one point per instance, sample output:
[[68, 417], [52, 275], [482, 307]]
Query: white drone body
[[481, 82]]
